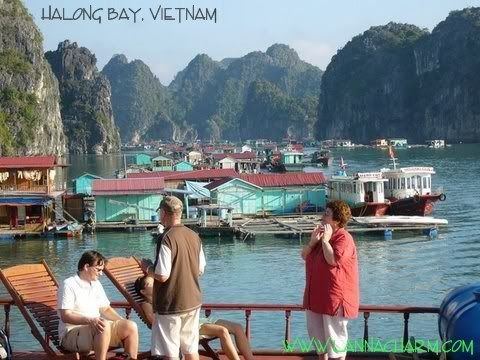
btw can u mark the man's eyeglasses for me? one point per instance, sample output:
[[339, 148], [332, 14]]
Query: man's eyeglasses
[[98, 269]]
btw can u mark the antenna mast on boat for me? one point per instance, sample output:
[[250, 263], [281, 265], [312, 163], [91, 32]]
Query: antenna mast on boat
[[391, 153]]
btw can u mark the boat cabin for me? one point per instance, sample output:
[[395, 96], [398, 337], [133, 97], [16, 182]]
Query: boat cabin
[[408, 182], [436, 144], [398, 142], [359, 188]]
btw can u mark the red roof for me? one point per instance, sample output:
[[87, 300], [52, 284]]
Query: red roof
[[247, 155], [127, 186], [277, 180], [207, 174], [151, 174], [16, 162]]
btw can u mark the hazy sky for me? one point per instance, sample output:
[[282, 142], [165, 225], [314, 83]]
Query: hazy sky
[[316, 29]]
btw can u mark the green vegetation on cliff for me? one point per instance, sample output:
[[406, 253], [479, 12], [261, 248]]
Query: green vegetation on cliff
[[85, 99], [18, 119], [399, 80], [137, 98], [30, 122], [213, 95], [271, 114]]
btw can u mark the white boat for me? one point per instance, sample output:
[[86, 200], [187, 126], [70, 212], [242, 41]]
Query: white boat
[[363, 192], [373, 221], [409, 189]]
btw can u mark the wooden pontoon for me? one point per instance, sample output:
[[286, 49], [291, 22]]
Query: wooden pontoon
[[300, 226]]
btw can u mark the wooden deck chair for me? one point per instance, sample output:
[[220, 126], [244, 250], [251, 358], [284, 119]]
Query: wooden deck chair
[[123, 272], [33, 288]]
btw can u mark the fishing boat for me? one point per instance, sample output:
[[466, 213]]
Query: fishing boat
[[363, 191], [409, 189], [323, 158]]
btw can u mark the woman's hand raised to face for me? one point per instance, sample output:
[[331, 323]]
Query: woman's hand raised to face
[[327, 233], [317, 234]]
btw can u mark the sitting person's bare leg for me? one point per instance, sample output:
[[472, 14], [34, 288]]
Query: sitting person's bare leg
[[225, 340], [240, 338], [192, 356], [127, 332], [101, 342]]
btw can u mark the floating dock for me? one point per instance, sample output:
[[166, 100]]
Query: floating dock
[[299, 226]]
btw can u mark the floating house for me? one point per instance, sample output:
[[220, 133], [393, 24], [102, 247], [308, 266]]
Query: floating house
[[246, 148], [83, 183], [226, 163], [126, 200], [436, 144], [292, 160], [143, 160], [342, 143], [183, 166], [262, 194], [379, 143], [31, 189], [162, 163], [240, 162], [177, 179], [194, 157], [398, 142]]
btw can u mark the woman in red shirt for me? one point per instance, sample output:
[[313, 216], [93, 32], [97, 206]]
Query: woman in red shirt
[[332, 288]]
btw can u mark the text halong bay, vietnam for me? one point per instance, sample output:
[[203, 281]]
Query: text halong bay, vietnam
[[134, 15]]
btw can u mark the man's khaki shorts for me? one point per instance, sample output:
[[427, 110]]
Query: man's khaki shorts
[[174, 333], [80, 338]]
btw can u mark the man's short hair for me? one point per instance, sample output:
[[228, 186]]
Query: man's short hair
[[91, 258], [171, 205]]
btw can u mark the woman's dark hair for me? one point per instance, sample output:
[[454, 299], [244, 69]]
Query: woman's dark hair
[[140, 284], [91, 258], [341, 212]]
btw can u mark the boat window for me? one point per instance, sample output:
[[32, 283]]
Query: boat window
[[374, 187], [413, 182], [398, 183], [408, 183], [403, 183], [425, 182], [429, 182], [354, 188]]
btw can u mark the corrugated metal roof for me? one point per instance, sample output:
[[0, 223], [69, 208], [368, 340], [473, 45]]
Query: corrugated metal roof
[[16, 162], [205, 174], [128, 186], [247, 155], [274, 180], [292, 179], [215, 184], [151, 174]]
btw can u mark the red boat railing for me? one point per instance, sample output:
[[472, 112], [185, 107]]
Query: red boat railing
[[366, 310]]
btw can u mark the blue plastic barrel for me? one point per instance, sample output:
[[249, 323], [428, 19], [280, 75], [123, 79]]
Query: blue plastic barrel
[[458, 322], [155, 218]]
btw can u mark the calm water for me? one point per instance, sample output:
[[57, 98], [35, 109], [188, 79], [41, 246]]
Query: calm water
[[409, 269]]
